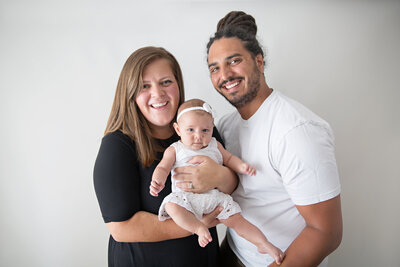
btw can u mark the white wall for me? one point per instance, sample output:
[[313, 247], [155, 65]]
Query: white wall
[[59, 65]]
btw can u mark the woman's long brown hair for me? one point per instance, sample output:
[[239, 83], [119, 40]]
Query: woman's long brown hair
[[125, 114]]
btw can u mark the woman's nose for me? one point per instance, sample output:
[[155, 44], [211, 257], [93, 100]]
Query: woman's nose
[[157, 91]]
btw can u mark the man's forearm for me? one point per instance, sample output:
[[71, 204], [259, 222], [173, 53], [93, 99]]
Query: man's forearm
[[310, 248], [321, 236]]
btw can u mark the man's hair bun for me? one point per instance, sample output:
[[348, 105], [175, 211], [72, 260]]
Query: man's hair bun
[[238, 19]]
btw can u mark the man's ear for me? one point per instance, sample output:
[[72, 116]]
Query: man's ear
[[176, 127], [260, 63]]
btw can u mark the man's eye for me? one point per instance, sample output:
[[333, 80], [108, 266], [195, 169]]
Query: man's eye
[[212, 70], [235, 60]]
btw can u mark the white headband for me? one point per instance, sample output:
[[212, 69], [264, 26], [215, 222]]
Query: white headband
[[206, 107]]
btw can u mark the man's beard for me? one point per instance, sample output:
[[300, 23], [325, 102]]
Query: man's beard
[[254, 87]]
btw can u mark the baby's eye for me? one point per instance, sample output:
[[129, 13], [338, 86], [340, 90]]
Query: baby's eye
[[205, 130], [190, 130]]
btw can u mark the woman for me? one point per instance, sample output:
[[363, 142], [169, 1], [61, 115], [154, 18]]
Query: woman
[[139, 129]]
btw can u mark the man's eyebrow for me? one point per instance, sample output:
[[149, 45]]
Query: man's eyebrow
[[226, 59], [232, 56], [212, 64]]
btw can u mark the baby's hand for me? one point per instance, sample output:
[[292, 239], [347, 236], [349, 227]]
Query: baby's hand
[[248, 169], [155, 188]]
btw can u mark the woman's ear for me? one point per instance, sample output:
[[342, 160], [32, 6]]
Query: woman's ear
[[176, 127]]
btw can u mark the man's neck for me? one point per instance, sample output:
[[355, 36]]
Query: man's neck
[[251, 108]]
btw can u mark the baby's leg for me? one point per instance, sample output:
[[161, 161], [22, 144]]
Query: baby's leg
[[188, 221], [250, 232]]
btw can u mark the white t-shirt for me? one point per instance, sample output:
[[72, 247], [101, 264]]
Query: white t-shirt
[[292, 150]]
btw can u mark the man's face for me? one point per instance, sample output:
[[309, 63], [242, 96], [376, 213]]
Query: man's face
[[234, 72]]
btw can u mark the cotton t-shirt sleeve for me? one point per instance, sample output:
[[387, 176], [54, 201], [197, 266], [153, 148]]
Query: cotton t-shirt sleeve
[[116, 178], [305, 158]]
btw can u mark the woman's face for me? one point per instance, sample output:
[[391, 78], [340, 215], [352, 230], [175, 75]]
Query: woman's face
[[158, 100]]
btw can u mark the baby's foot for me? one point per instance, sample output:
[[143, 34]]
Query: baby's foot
[[204, 236], [273, 251]]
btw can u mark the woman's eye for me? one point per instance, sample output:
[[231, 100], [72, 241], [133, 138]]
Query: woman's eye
[[166, 82], [145, 86]]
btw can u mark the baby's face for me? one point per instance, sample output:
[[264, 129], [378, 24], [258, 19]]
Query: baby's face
[[195, 129]]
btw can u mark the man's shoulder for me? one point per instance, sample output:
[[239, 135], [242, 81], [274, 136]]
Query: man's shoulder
[[290, 113]]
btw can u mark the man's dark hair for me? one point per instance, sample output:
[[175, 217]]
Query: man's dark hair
[[240, 25]]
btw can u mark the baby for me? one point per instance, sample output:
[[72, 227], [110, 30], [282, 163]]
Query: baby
[[195, 122]]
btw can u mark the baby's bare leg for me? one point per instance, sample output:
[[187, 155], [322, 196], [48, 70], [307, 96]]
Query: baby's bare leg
[[250, 232], [189, 222]]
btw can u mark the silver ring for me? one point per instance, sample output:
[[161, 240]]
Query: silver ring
[[191, 185]]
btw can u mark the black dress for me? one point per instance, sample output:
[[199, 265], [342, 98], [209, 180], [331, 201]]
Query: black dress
[[122, 188]]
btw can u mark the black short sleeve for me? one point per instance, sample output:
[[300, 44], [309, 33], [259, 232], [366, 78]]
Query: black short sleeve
[[121, 184], [116, 178]]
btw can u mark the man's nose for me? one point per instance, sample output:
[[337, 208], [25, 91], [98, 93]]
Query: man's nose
[[226, 73]]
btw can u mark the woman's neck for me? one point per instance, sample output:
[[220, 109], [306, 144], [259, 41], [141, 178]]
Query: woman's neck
[[162, 132]]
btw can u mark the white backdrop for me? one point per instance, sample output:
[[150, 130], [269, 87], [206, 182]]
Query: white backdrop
[[59, 65]]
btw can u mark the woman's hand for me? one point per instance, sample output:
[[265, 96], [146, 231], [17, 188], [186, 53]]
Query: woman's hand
[[206, 175]]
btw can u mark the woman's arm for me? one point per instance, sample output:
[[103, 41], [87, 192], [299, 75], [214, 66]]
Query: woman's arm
[[145, 227]]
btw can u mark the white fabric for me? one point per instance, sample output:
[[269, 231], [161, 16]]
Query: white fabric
[[292, 150], [198, 204], [206, 107]]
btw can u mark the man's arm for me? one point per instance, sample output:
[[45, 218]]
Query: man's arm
[[321, 236]]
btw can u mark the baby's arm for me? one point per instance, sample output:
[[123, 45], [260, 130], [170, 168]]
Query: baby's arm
[[162, 170], [235, 163]]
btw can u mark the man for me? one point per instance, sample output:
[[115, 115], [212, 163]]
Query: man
[[295, 196]]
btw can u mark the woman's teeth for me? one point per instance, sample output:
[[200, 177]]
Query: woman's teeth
[[158, 105]]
